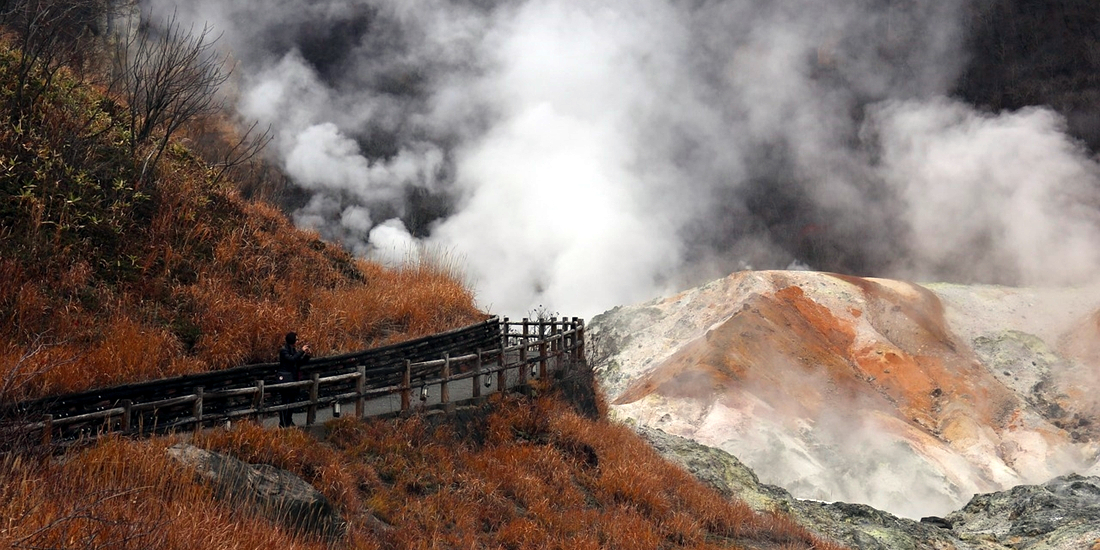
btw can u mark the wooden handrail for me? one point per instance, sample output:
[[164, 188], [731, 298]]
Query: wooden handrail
[[555, 345]]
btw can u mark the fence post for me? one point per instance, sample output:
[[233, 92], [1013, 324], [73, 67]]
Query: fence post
[[505, 336], [311, 411], [523, 355], [360, 389], [444, 387], [556, 345], [258, 400], [126, 410], [580, 340], [573, 339], [567, 339], [406, 386], [563, 343], [196, 409], [542, 350], [47, 429], [501, 361], [475, 392]]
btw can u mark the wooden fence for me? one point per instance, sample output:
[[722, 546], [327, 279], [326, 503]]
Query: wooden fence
[[436, 371]]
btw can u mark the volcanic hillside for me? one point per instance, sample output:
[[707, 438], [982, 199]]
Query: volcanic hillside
[[910, 398]]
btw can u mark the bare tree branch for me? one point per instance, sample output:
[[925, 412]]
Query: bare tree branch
[[39, 539], [244, 150], [169, 75], [16, 379], [50, 34]]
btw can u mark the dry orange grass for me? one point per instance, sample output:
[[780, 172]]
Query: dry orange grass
[[121, 494], [394, 304], [531, 483], [106, 280], [531, 473], [221, 280]]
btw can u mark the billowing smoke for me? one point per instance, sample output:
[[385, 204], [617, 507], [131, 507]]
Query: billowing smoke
[[580, 155]]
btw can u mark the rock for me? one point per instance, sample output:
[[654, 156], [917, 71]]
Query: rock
[[1029, 366], [901, 397], [719, 470], [908, 398], [865, 528], [1061, 513], [854, 525], [270, 492], [936, 522]]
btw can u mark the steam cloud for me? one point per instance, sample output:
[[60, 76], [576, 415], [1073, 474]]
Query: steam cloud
[[581, 155]]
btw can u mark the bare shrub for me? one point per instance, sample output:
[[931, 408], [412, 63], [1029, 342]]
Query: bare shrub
[[29, 366], [231, 150], [50, 34], [168, 76]]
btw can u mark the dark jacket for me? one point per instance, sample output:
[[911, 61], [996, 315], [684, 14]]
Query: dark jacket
[[291, 360]]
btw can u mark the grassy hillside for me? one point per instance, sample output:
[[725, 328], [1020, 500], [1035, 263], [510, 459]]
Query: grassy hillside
[[110, 279], [529, 474]]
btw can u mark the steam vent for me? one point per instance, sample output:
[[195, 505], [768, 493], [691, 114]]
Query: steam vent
[[910, 398]]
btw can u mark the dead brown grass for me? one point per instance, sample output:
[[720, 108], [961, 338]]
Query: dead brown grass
[[121, 494], [214, 282], [531, 473], [127, 279]]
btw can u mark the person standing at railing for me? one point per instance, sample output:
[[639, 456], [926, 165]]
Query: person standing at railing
[[291, 359]]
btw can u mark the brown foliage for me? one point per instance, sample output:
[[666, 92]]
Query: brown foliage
[[520, 484], [121, 494], [178, 277]]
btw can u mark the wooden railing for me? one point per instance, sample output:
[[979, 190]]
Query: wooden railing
[[433, 372]]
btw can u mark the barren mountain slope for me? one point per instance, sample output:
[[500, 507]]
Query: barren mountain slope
[[909, 398]]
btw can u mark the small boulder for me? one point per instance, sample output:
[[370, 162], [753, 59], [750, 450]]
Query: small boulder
[[264, 490]]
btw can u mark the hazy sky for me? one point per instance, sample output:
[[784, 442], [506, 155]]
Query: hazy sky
[[580, 155]]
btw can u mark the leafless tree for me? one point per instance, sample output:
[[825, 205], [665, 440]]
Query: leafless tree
[[168, 75], [50, 34], [242, 151]]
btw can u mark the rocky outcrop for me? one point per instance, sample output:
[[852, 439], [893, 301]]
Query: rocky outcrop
[[719, 470], [264, 490], [909, 398], [1063, 513]]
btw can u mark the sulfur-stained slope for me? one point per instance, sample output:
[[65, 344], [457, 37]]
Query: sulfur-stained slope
[[909, 398]]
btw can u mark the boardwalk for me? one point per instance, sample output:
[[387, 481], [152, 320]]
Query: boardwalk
[[438, 371]]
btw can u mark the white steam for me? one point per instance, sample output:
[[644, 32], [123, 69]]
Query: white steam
[[1005, 189], [392, 244], [582, 155]]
